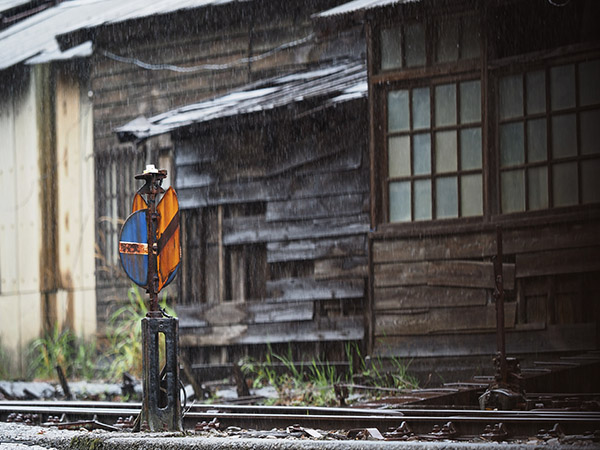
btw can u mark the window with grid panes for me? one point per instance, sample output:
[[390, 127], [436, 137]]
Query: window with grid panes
[[433, 130], [434, 152], [404, 46], [549, 136]]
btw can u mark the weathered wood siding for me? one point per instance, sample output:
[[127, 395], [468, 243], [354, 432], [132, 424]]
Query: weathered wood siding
[[222, 44], [433, 294], [289, 244]]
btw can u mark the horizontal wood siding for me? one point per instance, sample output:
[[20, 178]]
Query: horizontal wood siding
[[433, 295], [338, 329], [296, 203], [272, 205]]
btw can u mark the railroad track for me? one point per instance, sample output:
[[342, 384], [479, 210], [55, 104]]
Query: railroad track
[[428, 423]]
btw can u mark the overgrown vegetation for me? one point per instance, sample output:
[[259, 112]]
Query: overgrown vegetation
[[77, 357], [313, 382], [125, 334], [82, 359]]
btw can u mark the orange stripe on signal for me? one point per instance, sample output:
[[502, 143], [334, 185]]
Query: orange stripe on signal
[[133, 248]]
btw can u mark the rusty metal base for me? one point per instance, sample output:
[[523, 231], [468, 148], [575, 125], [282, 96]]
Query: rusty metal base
[[161, 407]]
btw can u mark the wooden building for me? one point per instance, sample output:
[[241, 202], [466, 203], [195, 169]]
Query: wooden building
[[482, 115], [273, 183], [273, 188]]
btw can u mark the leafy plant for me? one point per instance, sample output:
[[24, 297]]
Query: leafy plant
[[62, 348], [394, 375], [125, 334], [55, 348], [85, 362]]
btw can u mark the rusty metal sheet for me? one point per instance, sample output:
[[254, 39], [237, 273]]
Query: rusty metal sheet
[[133, 247], [169, 246]]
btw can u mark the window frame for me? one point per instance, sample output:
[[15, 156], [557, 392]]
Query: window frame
[[488, 66], [431, 84], [544, 63], [431, 74]]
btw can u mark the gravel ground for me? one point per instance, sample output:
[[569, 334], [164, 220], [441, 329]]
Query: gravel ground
[[21, 437]]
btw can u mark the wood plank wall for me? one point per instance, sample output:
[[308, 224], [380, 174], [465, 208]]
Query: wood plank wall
[[122, 91], [433, 294], [297, 207]]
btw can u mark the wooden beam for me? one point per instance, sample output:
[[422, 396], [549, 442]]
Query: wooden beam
[[439, 320], [555, 262], [394, 298], [351, 267], [516, 241], [233, 313], [556, 338], [279, 188], [338, 329], [315, 207], [309, 289], [248, 230], [470, 274], [308, 249], [461, 246]]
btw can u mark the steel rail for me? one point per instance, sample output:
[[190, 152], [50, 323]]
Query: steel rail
[[422, 422], [131, 407]]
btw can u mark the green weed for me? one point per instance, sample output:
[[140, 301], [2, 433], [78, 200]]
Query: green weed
[[63, 348], [314, 383], [125, 334]]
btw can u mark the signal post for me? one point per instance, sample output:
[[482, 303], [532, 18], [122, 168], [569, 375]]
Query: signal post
[[150, 251]]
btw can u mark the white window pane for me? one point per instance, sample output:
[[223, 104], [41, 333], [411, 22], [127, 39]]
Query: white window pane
[[400, 202], [589, 87], [445, 105], [445, 151], [537, 187], [447, 45], [398, 118], [470, 101], [446, 197], [399, 156], [470, 148], [536, 140], [511, 97], [471, 195], [471, 38], [513, 191], [391, 48], [421, 109], [536, 92], [564, 136], [590, 131], [415, 44], [421, 154], [511, 144], [590, 181], [423, 200], [564, 184], [562, 87]]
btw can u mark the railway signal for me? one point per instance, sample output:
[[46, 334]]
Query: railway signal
[[150, 251]]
